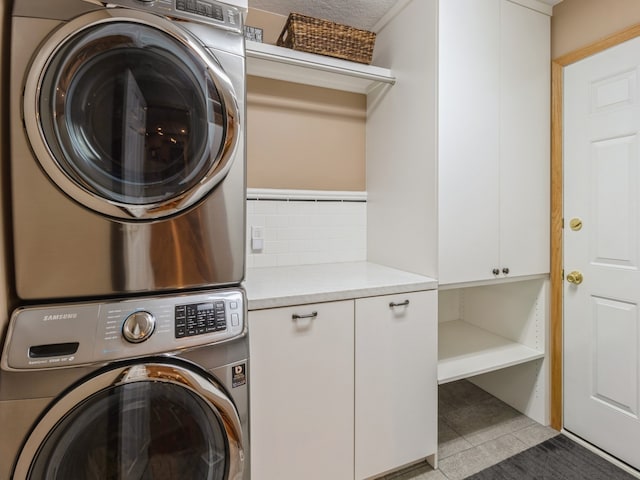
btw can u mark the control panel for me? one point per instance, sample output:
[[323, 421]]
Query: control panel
[[215, 13], [59, 336]]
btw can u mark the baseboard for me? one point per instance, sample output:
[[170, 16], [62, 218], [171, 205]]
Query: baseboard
[[600, 453]]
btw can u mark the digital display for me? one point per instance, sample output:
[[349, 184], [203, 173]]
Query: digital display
[[200, 318]]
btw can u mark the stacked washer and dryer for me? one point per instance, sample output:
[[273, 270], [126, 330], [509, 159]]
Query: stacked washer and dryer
[[127, 357]]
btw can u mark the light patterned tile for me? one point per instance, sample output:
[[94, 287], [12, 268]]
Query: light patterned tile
[[460, 394], [535, 434], [464, 464], [421, 471], [449, 441], [486, 421]]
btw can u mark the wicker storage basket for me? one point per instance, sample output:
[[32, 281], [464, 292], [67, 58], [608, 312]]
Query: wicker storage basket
[[314, 35]]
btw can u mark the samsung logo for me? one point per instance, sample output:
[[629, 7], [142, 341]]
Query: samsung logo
[[60, 316]]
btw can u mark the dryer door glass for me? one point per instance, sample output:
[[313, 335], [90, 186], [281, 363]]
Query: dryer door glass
[[142, 430], [134, 116]]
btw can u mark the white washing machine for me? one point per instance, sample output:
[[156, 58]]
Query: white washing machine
[[127, 146], [146, 389]]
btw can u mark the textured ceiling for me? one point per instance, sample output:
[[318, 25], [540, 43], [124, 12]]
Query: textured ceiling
[[356, 13]]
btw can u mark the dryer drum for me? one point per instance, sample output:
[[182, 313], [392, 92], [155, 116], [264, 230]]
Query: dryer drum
[[130, 120]]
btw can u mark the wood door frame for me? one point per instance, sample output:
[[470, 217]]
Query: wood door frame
[[557, 162]]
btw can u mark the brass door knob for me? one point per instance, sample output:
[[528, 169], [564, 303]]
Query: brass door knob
[[575, 278]]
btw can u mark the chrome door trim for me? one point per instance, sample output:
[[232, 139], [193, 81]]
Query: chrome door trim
[[31, 116], [207, 389]]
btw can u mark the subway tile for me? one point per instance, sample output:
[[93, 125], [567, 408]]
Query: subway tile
[[276, 247], [316, 232], [263, 261], [265, 207]]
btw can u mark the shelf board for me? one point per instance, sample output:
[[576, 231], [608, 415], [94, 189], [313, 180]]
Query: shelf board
[[465, 350], [271, 61]]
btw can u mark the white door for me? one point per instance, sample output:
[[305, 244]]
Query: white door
[[601, 188]]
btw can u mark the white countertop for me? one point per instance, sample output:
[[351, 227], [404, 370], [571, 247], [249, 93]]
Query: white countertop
[[303, 284]]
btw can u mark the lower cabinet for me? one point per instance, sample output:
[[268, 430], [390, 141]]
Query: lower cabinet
[[396, 381], [343, 390], [301, 392]]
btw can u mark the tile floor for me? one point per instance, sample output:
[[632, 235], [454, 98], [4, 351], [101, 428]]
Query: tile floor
[[475, 431]]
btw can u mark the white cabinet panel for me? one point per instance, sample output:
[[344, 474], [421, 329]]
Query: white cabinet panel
[[469, 103], [524, 140], [493, 141], [396, 385], [302, 384]]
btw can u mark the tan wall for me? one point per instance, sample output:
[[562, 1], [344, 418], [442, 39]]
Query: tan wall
[[576, 23], [302, 137], [270, 23]]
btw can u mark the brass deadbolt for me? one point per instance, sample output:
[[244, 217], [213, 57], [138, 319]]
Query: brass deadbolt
[[576, 224]]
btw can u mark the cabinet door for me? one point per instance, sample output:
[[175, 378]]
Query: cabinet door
[[494, 140], [396, 384], [302, 383], [469, 102], [524, 140]]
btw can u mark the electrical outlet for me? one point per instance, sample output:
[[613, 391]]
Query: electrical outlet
[[257, 238]]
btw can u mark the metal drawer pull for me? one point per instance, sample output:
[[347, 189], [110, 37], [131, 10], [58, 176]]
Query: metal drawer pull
[[295, 316], [401, 304]]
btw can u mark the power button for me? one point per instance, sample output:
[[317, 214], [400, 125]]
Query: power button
[[138, 326]]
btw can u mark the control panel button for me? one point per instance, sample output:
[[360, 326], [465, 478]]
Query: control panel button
[[138, 326], [200, 318]]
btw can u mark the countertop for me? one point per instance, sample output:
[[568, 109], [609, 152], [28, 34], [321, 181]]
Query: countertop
[[304, 284]]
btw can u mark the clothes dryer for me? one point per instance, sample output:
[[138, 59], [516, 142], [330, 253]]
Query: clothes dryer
[[127, 146], [147, 388]]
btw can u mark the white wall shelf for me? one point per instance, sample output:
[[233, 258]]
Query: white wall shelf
[[271, 61], [465, 350]]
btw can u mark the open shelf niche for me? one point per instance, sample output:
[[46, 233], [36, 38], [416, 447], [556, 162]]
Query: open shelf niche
[[496, 336]]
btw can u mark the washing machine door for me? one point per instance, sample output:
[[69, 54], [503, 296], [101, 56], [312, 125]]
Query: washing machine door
[[143, 421], [130, 115]]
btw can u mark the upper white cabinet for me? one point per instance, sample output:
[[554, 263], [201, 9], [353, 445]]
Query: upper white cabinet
[[494, 74]]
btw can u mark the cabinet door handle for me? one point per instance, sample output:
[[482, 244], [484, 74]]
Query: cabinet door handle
[[401, 304], [295, 316], [495, 271], [505, 270]]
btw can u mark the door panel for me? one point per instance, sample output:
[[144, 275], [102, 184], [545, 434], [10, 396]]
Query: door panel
[[615, 350], [614, 208], [601, 187]]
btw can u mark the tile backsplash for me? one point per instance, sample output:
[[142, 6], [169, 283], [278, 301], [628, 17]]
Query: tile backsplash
[[302, 229]]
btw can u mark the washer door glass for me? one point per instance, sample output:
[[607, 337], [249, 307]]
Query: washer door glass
[[133, 115], [142, 430]]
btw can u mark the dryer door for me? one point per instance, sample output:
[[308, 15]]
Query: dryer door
[[143, 421], [130, 115]]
